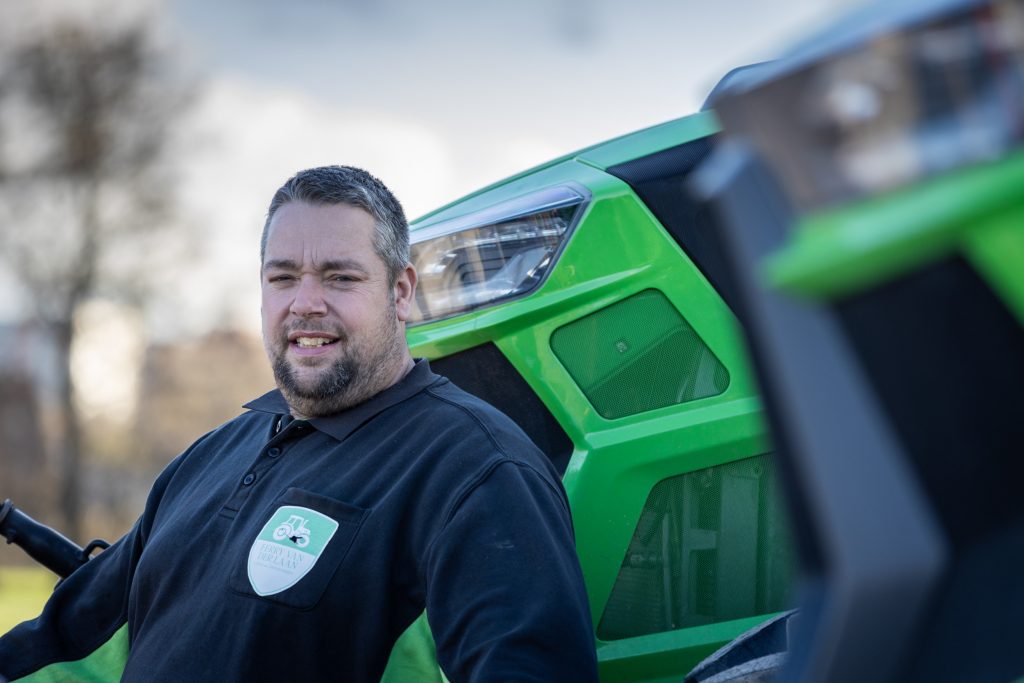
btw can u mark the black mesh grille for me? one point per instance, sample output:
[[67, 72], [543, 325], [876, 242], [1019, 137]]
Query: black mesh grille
[[638, 354], [711, 545]]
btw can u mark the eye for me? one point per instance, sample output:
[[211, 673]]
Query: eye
[[281, 277]]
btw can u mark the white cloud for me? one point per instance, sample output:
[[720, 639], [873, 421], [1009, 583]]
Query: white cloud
[[105, 360], [242, 141]]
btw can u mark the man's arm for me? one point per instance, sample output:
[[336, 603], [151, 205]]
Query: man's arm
[[505, 595], [82, 633]]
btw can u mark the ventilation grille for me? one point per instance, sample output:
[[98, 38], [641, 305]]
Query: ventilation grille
[[637, 355], [710, 546]]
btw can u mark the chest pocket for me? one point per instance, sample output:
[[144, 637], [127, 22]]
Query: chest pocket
[[295, 547]]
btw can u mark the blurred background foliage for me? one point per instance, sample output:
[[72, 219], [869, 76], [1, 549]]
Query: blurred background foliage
[[88, 234], [86, 115]]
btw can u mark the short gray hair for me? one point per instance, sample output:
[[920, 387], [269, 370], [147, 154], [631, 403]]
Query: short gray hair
[[355, 187]]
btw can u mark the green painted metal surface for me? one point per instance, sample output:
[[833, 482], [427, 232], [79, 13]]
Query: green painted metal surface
[[619, 150], [105, 663], [976, 210], [618, 251], [996, 250], [649, 140]]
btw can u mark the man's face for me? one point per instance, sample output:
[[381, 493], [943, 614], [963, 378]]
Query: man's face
[[333, 327]]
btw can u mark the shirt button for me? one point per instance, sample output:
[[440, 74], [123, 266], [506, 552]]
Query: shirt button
[[249, 479], [274, 452]]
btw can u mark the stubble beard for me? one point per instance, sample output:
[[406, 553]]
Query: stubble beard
[[357, 375]]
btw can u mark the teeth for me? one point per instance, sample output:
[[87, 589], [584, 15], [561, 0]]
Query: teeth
[[311, 342]]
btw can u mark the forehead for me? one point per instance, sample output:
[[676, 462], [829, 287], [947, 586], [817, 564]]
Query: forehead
[[302, 231]]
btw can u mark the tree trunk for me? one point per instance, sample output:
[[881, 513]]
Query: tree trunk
[[69, 446]]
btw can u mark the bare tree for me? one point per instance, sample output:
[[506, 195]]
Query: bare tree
[[85, 115], [21, 467]]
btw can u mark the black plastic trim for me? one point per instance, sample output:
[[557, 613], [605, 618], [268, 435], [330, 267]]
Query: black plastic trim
[[485, 372], [660, 181]]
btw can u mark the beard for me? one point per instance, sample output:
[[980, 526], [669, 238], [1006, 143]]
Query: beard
[[362, 371]]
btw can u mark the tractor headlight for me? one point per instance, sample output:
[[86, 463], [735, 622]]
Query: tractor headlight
[[492, 255], [929, 97]]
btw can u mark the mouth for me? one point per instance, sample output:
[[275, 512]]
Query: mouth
[[313, 342], [307, 343]]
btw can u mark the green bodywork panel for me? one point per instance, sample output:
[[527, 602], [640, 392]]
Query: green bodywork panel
[[414, 657], [618, 250], [649, 140], [619, 150], [976, 211], [996, 250], [104, 664]]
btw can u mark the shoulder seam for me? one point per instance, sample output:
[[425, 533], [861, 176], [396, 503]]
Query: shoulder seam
[[472, 416], [487, 470]]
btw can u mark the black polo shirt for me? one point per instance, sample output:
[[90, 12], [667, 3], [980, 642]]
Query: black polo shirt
[[300, 550]]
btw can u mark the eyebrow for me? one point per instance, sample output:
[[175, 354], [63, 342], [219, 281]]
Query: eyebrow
[[280, 264], [339, 264]]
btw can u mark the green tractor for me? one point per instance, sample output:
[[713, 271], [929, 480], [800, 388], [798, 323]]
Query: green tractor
[[582, 299]]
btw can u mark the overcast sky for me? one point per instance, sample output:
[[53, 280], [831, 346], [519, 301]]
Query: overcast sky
[[436, 98], [477, 90]]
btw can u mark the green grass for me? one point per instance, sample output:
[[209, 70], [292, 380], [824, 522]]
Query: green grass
[[23, 590]]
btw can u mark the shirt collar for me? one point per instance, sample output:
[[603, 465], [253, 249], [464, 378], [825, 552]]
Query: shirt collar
[[340, 425]]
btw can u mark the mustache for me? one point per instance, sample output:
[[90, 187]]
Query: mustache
[[331, 329]]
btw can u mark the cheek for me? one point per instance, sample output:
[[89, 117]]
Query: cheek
[[272, 317], [266, 326], [273, 305]]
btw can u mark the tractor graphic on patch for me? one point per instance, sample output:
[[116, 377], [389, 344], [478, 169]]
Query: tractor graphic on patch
[[294, 529]]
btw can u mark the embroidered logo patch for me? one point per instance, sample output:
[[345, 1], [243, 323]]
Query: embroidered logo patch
[[287, 547]]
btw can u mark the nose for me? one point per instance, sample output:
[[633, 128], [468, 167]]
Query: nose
[[309, 298]]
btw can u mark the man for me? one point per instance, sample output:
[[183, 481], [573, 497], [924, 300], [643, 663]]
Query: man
[[299, 540]]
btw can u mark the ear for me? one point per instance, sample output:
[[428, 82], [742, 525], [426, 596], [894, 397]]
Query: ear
[[405, 292]]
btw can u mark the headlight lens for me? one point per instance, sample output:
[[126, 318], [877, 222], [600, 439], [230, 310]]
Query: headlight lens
[[492, 255], [940, 95]]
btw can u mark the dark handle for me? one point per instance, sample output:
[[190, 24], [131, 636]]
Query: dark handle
[[46, 546]]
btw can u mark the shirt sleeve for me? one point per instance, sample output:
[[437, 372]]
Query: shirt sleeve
[[82, 633], [505, 594]]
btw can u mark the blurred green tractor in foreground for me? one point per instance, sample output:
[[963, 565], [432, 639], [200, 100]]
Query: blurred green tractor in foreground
[[868, 194]]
